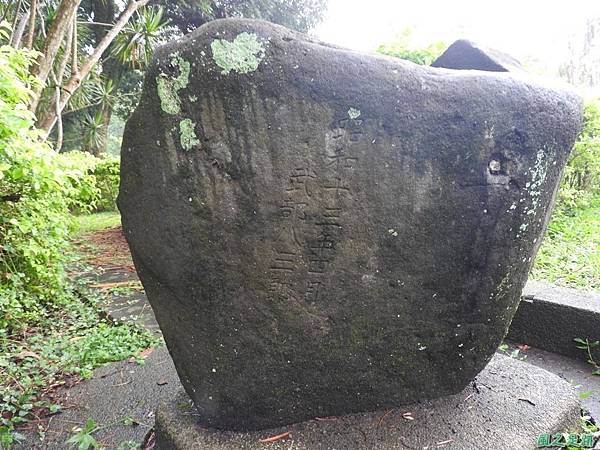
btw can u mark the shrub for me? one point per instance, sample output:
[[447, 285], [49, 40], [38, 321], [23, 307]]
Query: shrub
[[404, 48], [581, 181], [36, 191], [106, 173], [84, 193], [96, 190], [48, 328]]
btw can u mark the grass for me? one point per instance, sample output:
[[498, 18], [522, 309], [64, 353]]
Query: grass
[[86, 223], [65, 344], [570, 253]]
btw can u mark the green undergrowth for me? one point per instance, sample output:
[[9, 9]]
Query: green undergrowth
[[86, 223], [570, 253], [587, 426], [67, 343], [51, 330]]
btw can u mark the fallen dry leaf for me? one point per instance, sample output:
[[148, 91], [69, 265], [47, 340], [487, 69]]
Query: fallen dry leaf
[[132, 284], [145, 353], [326, 419], [275, 438], [27, 354]]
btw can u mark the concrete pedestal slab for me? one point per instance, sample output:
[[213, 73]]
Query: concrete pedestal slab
[[507, 407]]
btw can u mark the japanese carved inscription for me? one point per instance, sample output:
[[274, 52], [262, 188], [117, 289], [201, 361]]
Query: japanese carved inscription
[[317, 200]]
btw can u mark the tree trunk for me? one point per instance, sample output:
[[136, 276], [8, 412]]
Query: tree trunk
[[64, 15], [104, 12], [106, 115], [112, 70], [16, 16], [15, 40], [59, 134], [31, 30], [47, 122]]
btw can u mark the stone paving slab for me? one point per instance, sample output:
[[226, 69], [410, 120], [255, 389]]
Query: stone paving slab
[[116, 391], [578, 373]]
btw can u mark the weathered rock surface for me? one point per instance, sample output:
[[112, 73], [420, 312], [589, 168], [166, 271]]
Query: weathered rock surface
[[322, 232]]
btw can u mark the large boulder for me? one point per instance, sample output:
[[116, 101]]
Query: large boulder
[[323, 232]]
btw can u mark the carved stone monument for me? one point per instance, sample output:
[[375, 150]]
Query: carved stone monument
[[322, 232]]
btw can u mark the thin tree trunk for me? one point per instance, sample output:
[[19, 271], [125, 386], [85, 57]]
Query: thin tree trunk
[[64, 16], [15, 40], [58, 79], [106, 115], [59, 134], [104, 12], [42, 23], [31, 30], [16, 17], [47, 123], [66, 54], [5, 12], [75, 61], [113, 70]]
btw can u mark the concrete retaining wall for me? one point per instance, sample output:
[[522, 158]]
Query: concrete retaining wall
[[551, 317]]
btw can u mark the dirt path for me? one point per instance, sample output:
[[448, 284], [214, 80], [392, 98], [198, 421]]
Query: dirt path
[[105, 249]]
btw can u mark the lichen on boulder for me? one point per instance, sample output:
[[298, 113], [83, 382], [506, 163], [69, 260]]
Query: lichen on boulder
[[187, 134], [168, 87], [242, 55]]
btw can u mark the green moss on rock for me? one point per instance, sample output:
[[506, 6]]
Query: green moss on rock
[[243, 55], [187, 134], [168, 88]]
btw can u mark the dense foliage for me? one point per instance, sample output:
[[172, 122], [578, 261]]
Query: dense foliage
[[98, 183], [570, 252], [35, 195], [404, 48], [581, 181], [299, 15], [48, 327]]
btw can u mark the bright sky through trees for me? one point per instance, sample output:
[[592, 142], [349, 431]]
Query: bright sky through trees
[[535, 31]]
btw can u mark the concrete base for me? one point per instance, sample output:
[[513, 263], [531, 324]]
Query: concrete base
[[551, 317], [507, 407]]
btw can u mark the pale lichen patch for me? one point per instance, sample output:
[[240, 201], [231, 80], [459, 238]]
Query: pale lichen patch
[[243, 55], [187, 134], [534, 189], [354, 113], [168, 88]]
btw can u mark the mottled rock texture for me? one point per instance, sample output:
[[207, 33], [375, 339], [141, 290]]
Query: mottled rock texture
[[323, 232]]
